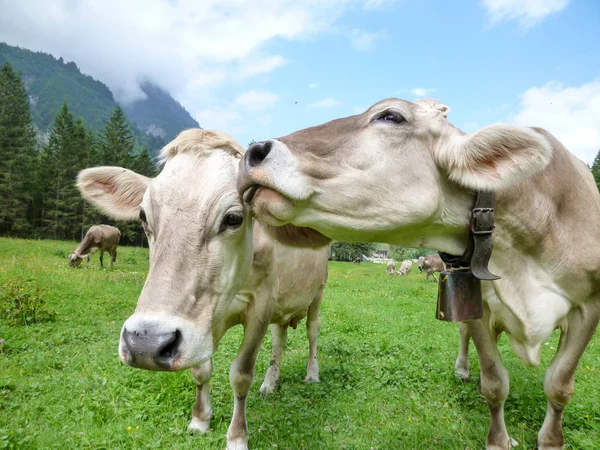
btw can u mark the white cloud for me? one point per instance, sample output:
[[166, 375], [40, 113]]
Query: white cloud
[[255, 101], [220, 119], [328, 102], [422, 92], [527, 12], [363, 40], [572, 114], [313, 85], [188, 47], [378, 4], [264, 65]]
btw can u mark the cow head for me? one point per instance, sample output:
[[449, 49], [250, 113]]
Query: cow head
[[396, 173], [75, 259], [200, 236]]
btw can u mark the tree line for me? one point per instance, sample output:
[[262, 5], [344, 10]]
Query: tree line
[[38, 195]]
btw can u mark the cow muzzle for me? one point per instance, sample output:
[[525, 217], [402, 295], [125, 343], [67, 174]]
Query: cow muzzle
[[151, 351], [162, 344]]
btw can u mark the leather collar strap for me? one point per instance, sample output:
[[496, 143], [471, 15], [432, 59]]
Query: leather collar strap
[[479, 250]]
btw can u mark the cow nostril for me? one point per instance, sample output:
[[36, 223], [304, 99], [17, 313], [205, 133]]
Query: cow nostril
[[170, 347], [257, 152]]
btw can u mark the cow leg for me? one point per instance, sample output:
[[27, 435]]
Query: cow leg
[[202, 412], [313, 327], [462, 362], [87, 265], [113, 257], [271, 380], [241, 372], [559, 382], [494, 380], [102, 259]]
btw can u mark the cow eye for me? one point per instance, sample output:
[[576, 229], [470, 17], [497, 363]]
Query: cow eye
[[233, 220], [143, 215], [390, 116]]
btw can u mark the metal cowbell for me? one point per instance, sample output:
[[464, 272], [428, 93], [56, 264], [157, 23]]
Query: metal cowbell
[[459, 296]]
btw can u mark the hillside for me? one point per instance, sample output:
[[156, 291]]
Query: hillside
[[159, 114], [50, 81]]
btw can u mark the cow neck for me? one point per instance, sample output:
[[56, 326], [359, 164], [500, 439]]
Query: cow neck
[[479, 248]]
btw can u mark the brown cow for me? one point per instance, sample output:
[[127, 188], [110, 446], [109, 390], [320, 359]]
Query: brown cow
[[357, 260], [99, 238], [405, 268], [431, 264], [326, 181], [420, 263], [390, 266]]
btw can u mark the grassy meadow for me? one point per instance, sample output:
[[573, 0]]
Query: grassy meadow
[[386, 369]]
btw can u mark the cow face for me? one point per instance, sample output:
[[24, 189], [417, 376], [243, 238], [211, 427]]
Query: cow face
[[395, 173], [75, 260], [200, 236]]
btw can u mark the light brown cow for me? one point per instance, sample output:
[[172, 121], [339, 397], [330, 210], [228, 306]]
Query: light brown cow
[[420, 263], [210, 268], [405, 268], [390, 266], [326, 180], [431, 264], [99, 238]]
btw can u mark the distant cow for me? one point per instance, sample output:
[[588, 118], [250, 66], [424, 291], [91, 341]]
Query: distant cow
[[405, 268], [390, 267], [357, 260], [420, 263], [433, 263], [102, 238]]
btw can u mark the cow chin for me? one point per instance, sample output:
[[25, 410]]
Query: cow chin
[[163, 344], [271, 207], [276, 211]]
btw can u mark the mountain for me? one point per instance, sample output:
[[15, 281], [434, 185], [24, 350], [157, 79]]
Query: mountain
[[50, 82], [159, 114]]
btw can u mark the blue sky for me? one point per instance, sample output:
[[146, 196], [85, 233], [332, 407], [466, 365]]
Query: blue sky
[[266, 68]]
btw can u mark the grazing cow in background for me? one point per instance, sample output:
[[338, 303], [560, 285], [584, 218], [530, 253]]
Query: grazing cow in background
[[420, 263], [390, 267], [357, 260], [99, 238], [325, 181], [431, 264], [405, 268], [211, 267]]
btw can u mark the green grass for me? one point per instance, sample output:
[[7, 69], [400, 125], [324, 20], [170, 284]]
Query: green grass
[[386, 370]]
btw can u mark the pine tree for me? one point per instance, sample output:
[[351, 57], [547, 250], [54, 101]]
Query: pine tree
[[596, 169], [143, 164], [116, 141], [67, 152], [17, 155]]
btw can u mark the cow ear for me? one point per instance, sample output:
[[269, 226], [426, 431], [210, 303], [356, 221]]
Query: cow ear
[[494, 157], [117, 192]]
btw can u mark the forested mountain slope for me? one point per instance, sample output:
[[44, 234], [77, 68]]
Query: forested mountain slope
[[50, 82]]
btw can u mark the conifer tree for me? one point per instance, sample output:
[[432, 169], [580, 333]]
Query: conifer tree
[[17, 155], [143, 164], [67, 152], [596, 169], [116, 140]]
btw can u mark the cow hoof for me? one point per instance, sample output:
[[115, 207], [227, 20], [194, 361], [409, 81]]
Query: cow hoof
[[312, 379], [237, 444], [511, 444], [199, 426], [462, 375], [266, 390]]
